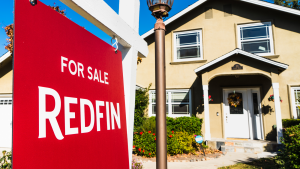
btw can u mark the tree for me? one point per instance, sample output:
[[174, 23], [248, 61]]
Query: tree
[[9, 30], [295, 4]]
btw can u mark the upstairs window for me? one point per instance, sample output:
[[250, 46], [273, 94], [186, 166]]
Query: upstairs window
[[178, 103], [188, 46], [256, 38]]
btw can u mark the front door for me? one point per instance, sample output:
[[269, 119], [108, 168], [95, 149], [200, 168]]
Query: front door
[[236, 114], [5, 122]]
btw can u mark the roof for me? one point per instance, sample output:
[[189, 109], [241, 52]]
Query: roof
[[199, 2], [242, 52], [4, 57]]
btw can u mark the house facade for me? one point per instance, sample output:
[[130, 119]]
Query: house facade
[[6, 101], [233, 63]]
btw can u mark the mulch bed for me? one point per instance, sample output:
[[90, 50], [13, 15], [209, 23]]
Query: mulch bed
[[198, 156]]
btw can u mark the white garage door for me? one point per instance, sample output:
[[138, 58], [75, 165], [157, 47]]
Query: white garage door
[[5, 122]]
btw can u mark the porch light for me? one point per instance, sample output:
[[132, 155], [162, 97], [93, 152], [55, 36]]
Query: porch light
[[160, 8]]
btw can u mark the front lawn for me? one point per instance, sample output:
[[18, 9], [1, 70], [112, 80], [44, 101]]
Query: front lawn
[[263, 163]]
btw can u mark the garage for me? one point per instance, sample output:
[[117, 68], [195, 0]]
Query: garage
[[5, 123]]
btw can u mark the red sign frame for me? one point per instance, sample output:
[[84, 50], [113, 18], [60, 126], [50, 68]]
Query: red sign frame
[[68, 95]]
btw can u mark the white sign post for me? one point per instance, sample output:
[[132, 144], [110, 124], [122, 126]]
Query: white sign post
[[125, 28]]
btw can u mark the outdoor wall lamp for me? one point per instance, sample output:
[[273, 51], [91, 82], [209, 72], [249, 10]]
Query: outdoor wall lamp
[[160, 9]]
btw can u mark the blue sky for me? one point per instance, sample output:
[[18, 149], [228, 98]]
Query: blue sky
[[146, 20]]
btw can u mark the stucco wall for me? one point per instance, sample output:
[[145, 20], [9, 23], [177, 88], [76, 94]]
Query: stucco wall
[[219, 38], [6, 78]]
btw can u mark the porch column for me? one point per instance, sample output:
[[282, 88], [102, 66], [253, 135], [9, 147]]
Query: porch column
[[207, 135], [277, 111]]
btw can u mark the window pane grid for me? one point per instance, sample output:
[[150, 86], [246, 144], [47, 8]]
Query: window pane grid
[[256, 38], [188, 45], [255, 32], [178, 103], [297, 102]]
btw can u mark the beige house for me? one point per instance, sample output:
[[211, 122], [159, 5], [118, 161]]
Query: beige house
[[237, 51], [5, 101]]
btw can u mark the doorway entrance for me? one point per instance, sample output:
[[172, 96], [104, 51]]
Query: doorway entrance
[[242, 113]]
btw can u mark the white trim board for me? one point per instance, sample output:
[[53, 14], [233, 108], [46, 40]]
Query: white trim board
[[199, 2], [239, 51], [4, 57], [105, 18]]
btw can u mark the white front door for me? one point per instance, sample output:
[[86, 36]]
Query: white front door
[[5, 122], [236, 117], [244, 120]]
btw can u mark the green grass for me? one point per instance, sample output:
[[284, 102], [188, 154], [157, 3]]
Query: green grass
[[263, 163]]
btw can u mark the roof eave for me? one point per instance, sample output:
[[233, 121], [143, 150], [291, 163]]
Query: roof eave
[[239, 51]]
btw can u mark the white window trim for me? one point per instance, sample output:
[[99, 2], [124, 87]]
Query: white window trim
[[169, 104], [258, 24], [175, 47], [294, 111]]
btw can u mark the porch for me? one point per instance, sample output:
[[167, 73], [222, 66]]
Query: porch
[[252, 78]]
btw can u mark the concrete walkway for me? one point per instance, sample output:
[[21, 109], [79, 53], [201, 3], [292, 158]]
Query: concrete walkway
[[228, 159]]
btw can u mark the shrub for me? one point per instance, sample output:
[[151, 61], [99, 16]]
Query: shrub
[[290, 122], [144, 144], [136, 165], [290, 153], [5, 161], [180, 142], [191, 125], [177, 143], [141, 104], [148, 124]]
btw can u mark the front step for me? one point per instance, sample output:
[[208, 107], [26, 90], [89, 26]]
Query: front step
[[244, 146], [253, 150]]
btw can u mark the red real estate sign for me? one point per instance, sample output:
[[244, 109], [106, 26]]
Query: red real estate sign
[[69, 107]]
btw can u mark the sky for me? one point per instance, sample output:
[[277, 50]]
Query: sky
[[146, 20]]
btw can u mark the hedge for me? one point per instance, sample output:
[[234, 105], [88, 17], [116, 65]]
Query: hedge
[[290, 153], [290, 122], [180, 136]]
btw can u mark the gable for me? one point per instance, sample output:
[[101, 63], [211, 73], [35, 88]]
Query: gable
[[243, 54]]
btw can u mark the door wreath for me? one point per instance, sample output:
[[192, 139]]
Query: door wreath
[[234, 99]]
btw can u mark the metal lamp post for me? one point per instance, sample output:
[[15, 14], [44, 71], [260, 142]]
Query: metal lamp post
[[160, 9]]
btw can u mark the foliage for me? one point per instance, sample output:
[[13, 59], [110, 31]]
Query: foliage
[[180, 136], [271, 98], [290, 153], [234, 99], [5, 161], [191, 125], [290, 122], [147, 124], [177, 143], [295, 4], [144, 144], [209, 98], [180, 142], [141, 104], [136, 165], [139, 60], [9, 30], [265, 163]]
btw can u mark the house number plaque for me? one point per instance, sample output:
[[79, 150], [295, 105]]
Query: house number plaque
[[237, 67]]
